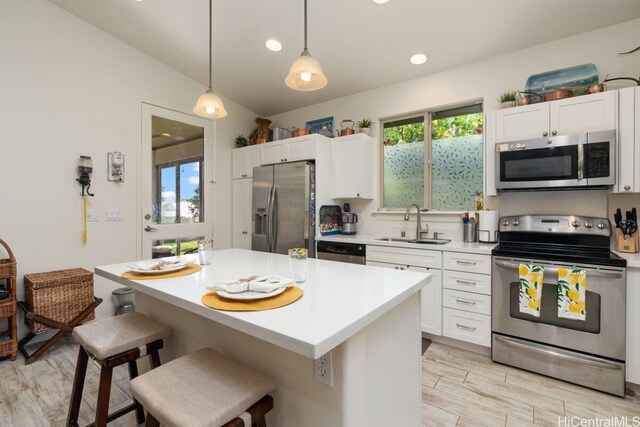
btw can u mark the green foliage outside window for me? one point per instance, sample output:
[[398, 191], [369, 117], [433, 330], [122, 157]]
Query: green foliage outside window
[[450, 127]]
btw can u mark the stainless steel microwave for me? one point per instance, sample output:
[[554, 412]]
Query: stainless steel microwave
[[561, 162]]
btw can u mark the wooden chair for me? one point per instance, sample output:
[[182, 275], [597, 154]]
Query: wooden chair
[[112, 342], [204, 388]]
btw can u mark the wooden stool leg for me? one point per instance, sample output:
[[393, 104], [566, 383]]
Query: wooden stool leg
[[133, 372], [104, 390], [78, 385], [151, 421], [155, 359]]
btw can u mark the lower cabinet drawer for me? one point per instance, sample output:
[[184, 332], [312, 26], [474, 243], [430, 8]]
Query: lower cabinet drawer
[[470, 327], [467, 301], [468, 282]]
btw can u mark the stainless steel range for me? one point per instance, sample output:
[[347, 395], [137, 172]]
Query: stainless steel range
[[589, 352]]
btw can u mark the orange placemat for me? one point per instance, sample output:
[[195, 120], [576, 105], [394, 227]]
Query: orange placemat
[[190, 269], [212, 300]]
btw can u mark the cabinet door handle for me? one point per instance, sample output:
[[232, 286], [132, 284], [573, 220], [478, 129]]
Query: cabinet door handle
[[462, 262], [627, 187], [465, 328], [358, 194], [554, 133], [545, 133], [461, 301], [465, 282]]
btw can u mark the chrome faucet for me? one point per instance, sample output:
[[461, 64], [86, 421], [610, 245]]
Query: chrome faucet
[[419, 230]]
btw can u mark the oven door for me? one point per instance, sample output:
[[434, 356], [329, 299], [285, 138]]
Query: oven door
[[602, 333], [541, 163]]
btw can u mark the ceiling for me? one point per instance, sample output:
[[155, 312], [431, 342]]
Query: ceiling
[[360, 45], [166, 132]]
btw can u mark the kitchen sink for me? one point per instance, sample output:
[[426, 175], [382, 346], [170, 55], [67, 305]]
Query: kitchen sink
[[427, 241]]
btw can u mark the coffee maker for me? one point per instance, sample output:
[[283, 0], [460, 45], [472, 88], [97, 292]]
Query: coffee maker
[[349, 220]]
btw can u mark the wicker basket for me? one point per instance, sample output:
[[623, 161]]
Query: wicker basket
[[8, 346], [58, 295], [8, 266]]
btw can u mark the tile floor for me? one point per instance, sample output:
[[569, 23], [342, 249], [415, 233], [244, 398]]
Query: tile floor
[[459, 388]]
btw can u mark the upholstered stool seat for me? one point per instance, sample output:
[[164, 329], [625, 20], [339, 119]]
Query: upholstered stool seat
[[203, 389], [112, 342]]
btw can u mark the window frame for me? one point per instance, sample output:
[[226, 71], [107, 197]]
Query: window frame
[[428, 145], [177, 164]]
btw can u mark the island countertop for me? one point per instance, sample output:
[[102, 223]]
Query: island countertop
[[339, 299]]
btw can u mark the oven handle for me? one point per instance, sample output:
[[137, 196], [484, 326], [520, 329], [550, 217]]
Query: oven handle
[[590, 273], [537, 348]]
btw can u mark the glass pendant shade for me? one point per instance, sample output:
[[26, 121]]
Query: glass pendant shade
[[306, 74], [210, 105]]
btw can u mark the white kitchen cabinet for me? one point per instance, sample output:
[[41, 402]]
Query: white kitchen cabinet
[[628, 140], [244, 160], [242, 192], [633, 326], [353, 167], [290, 150], [566, 116], [416, 260], [466, 297], [489, 170]]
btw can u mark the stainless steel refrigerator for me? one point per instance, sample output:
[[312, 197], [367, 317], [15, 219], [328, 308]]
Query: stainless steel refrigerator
[[283, 208]]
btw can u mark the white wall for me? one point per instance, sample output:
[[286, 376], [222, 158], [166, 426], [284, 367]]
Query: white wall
[[483, 80], [69, 89]]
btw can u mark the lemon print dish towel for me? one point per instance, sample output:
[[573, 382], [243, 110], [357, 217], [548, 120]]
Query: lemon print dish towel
[[572, 290], [530, 288]]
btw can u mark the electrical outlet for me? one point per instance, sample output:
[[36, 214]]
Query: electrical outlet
[[323, 368]]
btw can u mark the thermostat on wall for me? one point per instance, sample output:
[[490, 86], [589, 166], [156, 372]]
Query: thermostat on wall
[[115, 166]]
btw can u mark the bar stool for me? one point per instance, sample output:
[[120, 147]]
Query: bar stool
[[204, 389], [112, 342]]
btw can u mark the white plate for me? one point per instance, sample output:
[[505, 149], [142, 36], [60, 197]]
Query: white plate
[[163, 270], [251, 295]]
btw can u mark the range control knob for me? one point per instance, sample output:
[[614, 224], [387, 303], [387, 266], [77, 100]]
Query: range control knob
[[602, 225], [518, 146], [575, 223], [524, 146], [512, 147], [505, 222], [516, 222], [588, 224]]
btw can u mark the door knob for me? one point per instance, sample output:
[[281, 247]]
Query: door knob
[[149, 228], [147, 216]]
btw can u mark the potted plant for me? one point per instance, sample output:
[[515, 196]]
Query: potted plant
[[508, 99], [241, 141], [365, 126]]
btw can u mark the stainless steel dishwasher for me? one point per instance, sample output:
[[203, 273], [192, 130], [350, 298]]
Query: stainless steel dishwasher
[[353, 253]]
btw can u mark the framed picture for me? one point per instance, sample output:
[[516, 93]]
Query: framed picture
[[317, 126]]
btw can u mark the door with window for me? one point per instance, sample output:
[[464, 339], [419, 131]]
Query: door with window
[[176, 195]]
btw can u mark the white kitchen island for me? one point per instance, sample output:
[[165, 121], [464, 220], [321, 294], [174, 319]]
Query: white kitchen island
[[367, 317]]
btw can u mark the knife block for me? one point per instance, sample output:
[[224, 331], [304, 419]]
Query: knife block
[[629, 245]]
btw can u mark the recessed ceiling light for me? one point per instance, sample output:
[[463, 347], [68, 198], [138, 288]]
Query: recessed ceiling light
[[380, 1], [418, 59], [273, 45]]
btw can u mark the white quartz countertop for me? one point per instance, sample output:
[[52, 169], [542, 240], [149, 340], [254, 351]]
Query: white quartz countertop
[[633, 260], [339, 299], [453, 246]]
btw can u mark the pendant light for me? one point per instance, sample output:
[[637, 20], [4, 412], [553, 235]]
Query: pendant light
[[305, 73], [209, 104]]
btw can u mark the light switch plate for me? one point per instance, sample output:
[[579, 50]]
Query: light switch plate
[[113, 215]]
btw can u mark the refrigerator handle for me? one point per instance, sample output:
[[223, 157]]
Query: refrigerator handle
[[269, 200], [273, 221]]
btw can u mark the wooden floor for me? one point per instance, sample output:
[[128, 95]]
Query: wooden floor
[[459, 388]]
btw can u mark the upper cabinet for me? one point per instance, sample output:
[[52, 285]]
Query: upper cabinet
[[571, 115], [353, 167], [629, 140], [244, 160], [291, 150]]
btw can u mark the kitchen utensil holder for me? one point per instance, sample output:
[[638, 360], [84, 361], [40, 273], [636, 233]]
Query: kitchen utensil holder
[[626, 245], [470, 232]]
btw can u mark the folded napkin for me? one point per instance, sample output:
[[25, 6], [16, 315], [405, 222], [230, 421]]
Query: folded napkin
[[252, 284], [164, 264], [572, 289], [530, 288]]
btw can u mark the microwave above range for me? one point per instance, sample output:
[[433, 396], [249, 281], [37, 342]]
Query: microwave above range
[[578, 161]]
